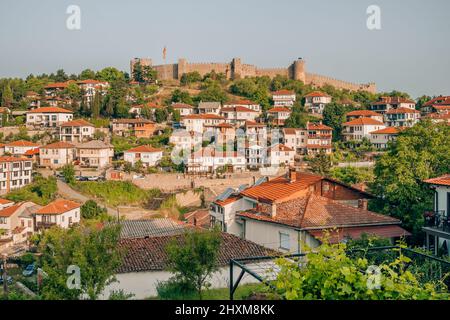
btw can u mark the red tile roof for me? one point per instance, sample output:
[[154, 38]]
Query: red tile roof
[[5, 201], [150, 254], [56, 85], [283, 93], [204, 116], [59, 145], [363, 113], [387, 130], [179, 105], [280, 147], [337, 235], [402, 110], [77, 123], [12, 159], [317, 94], [363, 122], [318, 126], [254, 124], [31, 152], [279, 109], [50, 110], [8, 212], [229, 200], [58, 206], [199, 218], [443, 100], [392, 100], [237, 109], [442, 180], [144, 149], [244, 102], [22, 143]]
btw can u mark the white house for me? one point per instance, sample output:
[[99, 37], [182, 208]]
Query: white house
[[56, 155], [295, 139], [76, 131], [15, 228], [209, 160], [95, 153], [148, 155], [381, 138], [15, 173], [61, 212], [238, 115], [183, 108], [281, 155], [209, 107], [437, 221], [402, 117], [244, 103], [283, 98], [385, 104], [319, 138], [196, 122], [356, 130], [356, 114], [278, 115], [48, 117], [20, 147], [316, 101], [91, 87], [185, 140]]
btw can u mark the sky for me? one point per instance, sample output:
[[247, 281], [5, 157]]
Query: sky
[[411, 51]]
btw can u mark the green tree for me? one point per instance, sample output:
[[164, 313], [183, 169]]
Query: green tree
[[91, 210], [96, 105], [195, 259], [87, 74], [68, 171], [161, 115], [60, 76], [181, 96], [190, 77], [7, 96], [110, 74], [94, 251], [321, 163], [420, 153], [334, 117], [331, 274]]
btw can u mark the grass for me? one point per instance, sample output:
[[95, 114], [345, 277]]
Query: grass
[[116, 193]]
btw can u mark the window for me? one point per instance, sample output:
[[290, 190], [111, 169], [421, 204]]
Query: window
[[284, 241], [3, 220]]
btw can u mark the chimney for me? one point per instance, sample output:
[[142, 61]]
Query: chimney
[[292, 175], [362, 204]]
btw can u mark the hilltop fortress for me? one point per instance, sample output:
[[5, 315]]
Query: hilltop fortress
[[236, 69]]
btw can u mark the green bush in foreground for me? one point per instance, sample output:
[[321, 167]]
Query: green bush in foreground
[[330, 274]]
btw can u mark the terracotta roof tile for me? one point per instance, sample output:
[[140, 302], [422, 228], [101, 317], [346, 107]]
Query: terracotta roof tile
[[317, 94], [363, 122], [59, 145], [145, 148], [363, 113], [58, 206], [402, 110], [50, 110], [442, 180], [278, 109], [283, 93], [387, 130], [22, 143], [77, 123], [204, 116]]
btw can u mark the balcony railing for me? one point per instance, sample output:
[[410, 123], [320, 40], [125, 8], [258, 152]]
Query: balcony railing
[[44, 225], [437, 219]]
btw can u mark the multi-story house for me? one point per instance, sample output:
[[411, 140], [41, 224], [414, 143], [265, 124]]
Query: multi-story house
[[352, 115], [246, 104], [440, 105], [48, 117], [300, 209], [183, 108], [15, 222], [14, 173], [381, 138], [208, 160], [316, 101], [53, 89], [56, 155], [136, 110], [401, 117], [238, 115], [91, 87], [95, 154], [356, 130], [437, 221], [319, 138], [281, 155], [197, 122], [255, 131], [295, 138], [61, 212], [283, 98], [148, 155], [186, 140], [76, 131], [132, 127], [20, 147], [278, 115], [385, 104], [255, 154], [209, 107], [223, 133]]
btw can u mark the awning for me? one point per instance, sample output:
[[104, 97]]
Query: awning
[[340, 234]]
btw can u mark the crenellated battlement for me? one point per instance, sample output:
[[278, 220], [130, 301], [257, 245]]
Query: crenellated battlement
[[236, 69]]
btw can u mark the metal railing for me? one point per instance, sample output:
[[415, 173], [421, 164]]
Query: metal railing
[[437, 219]]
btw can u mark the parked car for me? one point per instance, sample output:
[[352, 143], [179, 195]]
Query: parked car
[[81, 178], [29, 270], [9, 280], [92, 178]]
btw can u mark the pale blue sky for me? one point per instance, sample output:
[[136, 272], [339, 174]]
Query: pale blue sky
[[411, 52]]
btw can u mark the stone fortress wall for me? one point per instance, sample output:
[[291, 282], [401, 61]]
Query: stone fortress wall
[[236, 69]]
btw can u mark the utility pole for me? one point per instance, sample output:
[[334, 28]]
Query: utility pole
[[5, 275]]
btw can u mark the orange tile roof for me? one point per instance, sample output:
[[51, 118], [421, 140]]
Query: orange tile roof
[[364, 113], [31, 152], [237, 109], [402, 110], [12, 159], [254, 124], [387, 130], [204, 116], [77, 123], [442, 180], [5, 201], [317, 94], [58, 206], [229, 200], [179, 105], [392, 100], [316, 213], [50, 110], [22, 143], [8, 212], [278, 109], [319, 126], [445, 100], [145, 148], [283, 93], [245, 102], [56, 85], [281, 147], [58, 145], [363, 122]]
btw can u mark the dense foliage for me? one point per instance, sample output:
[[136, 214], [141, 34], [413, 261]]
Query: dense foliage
[[41, 191]]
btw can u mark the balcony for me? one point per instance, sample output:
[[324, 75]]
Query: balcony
[[437, 220], [44, 225]]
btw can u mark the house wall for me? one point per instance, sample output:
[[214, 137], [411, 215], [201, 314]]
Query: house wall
[[55, 158], [143, 284], [62, 220]]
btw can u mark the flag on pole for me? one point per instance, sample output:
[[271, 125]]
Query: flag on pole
[[164, 52]]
